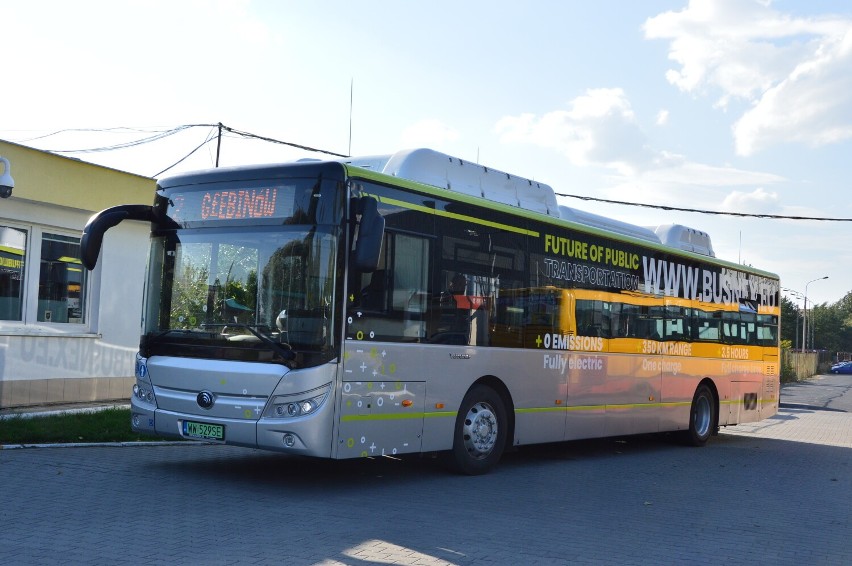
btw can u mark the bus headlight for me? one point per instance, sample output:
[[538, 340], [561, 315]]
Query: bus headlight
[[144, 393], [143, 390], [299, 405]]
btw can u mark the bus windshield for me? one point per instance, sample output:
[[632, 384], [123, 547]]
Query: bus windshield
[[246, 293]]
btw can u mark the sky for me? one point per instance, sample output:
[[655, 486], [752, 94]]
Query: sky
[[738, 106]]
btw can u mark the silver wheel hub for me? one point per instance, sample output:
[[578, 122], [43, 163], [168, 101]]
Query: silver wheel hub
[[480, 430], [702, 416]]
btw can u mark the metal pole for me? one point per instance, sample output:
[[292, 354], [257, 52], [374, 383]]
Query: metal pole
[[805, 319], [796, 295], [351, 98], [796, 333], [218, 144]]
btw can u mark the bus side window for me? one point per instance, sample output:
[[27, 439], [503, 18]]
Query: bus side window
[[374, 294], [390, 302], [677, 323], [653, 323], [705, 326], [593, 318], [628, 321], [736, 330], [767, 330]]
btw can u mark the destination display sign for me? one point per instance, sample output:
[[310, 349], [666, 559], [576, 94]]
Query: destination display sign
[[231, 204]]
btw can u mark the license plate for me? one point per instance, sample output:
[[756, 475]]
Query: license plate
[[204, 431]]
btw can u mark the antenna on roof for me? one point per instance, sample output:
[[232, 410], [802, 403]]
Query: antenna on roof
[[351, 89]]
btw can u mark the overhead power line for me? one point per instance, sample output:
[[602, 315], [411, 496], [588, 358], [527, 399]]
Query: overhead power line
[[207, 140], [133, 143], [165, 133], [158, 135], [273, 140], [716, 212]]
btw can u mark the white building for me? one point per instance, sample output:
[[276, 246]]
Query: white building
[[67, 335]]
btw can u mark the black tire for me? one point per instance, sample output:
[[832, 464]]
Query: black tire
[[480, 433], [702, 417]]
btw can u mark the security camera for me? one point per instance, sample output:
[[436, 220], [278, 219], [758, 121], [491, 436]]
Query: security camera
[[7, 183]]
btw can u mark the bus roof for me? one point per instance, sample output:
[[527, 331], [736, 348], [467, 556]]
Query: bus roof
[[437, 169]]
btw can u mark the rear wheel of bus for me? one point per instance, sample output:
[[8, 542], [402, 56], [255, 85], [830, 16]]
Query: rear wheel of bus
[[702, 417], [480, 431]]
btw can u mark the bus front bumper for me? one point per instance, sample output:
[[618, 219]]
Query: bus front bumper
[[307, 436]]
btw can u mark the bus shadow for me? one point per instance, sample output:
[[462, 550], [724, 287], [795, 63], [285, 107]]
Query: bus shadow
[[257, 467]]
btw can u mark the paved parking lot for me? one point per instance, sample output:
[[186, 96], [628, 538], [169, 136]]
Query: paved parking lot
[[777, 492]]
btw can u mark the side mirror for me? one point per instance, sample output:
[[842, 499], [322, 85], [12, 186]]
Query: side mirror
[[98, 224], [371, 229]]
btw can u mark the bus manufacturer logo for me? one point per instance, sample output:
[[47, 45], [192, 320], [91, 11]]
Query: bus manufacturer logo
[[205, 400]]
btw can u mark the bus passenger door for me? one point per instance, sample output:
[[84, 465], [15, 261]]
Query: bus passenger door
[[635, 382]]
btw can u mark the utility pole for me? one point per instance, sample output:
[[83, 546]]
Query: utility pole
[[218, 144], [805, 320]]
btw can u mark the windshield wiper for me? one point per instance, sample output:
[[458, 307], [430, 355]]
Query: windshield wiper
[[161, 333], [287, 353]]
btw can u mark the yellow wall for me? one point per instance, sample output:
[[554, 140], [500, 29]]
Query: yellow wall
[[49, 178]]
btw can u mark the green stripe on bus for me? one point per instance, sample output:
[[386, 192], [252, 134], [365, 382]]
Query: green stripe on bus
[[533, 410], [572, 408], [456, 216], [395, 416], [382, 417]]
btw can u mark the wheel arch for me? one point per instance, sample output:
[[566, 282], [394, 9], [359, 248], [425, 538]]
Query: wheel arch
[[715, 391]]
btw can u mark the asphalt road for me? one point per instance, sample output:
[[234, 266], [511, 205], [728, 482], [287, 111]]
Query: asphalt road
[[777, 492], [833, 392]]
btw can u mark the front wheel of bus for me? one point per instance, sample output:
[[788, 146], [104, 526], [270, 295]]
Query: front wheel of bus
[[480, 433], [702, 417]]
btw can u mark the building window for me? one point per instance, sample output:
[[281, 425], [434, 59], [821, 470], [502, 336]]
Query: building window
[[62, 280], [13, 242]]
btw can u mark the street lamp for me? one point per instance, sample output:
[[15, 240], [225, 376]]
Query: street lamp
[[796, 295], [805, 318]]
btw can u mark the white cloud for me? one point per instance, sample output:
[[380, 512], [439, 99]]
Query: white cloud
[[428, 133], [699, 174], [700, 186], [812, 106], [600, 128], [759, 201], [793, 72], [662, 118]]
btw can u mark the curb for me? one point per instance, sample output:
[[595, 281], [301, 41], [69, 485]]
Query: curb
[[106, 444], [798, 407], [70, 411]]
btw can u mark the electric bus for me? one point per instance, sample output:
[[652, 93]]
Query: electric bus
[[419, 303]]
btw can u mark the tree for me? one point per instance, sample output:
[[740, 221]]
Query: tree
[[838, 325], [791, 324]]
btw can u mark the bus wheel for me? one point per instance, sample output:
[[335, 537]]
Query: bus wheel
[[702, 415], [480, 433]]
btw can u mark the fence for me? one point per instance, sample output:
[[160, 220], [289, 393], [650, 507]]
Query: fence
[[803, 365]]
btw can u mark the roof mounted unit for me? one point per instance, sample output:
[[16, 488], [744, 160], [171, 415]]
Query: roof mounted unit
[[685, 238], [609, 224], [440, 170], [444, 171]]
